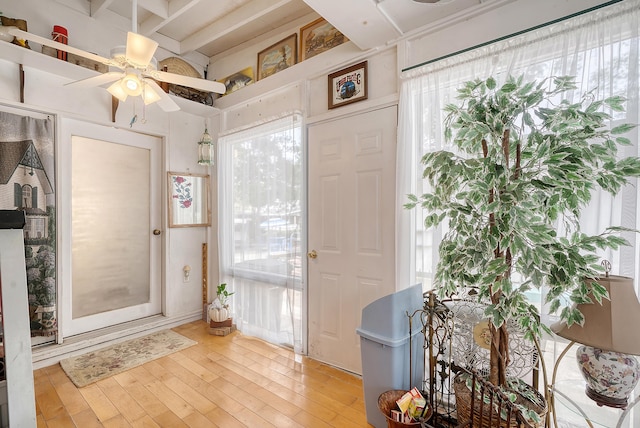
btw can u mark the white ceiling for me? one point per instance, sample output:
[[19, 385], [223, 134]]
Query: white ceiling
[[212, 27]]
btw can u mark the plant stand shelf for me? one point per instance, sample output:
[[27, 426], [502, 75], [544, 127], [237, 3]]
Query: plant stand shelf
[[222, 331], [572, 406]]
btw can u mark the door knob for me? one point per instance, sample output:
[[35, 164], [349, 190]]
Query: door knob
[[312, 254], [156, 232]]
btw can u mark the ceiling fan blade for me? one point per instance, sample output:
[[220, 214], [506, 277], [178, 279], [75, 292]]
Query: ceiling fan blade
[[16, 32], [192, 82], [165, 102], [99, 80], [140, 49]]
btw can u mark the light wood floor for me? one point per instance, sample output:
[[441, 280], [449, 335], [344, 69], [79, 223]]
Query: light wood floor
[[227, 382]]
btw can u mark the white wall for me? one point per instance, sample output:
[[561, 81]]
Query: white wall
[[184, 245]]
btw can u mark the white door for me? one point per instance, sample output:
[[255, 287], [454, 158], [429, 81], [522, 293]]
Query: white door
[[113, 182], [351, 229]]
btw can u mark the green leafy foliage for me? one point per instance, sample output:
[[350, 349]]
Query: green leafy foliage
[[529, 160], [223, 295]]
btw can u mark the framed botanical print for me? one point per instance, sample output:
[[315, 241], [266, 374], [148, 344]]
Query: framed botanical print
[[188, 200]]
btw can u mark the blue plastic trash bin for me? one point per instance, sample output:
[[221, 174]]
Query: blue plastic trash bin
[[384, 347]]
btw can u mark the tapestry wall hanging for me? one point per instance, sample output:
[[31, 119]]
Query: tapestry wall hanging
[[27, 183]]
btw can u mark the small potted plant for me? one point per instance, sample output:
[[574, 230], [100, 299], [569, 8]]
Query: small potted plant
[[526, 159], [219, 309]]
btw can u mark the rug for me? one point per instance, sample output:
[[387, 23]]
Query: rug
[[94, 366]]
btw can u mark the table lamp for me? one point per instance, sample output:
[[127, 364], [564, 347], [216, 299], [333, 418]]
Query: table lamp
[[610, 337]]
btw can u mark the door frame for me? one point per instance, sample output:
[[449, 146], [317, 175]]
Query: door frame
[[327, 119], [73, 127]]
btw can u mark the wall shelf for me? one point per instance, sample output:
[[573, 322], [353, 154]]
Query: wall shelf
[[48, 64]]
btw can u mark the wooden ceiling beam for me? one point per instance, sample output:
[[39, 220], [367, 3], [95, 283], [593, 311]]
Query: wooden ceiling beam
[[240, 17], [176, 8], [98, 6], [360, 20], [157, 7]]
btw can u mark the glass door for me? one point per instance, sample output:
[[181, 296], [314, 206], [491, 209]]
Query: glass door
[[115, 205]]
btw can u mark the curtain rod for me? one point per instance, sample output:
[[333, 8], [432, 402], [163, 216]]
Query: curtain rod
[[537, 27]]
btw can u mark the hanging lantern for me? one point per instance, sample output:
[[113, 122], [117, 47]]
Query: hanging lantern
[[205, 149]]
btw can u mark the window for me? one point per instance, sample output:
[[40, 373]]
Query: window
[[602, 49], [261, 227], [26, 196]]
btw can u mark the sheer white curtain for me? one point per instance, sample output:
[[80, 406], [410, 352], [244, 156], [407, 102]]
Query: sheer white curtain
[[261, 194], [600, 48]]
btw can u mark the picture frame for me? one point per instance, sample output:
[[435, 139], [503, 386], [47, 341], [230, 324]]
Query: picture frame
[[188, 200], [277, 57], [237, 80], [317, 37], [348, 85]]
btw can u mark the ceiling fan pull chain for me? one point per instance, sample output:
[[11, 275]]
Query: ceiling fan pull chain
[[134, 118]]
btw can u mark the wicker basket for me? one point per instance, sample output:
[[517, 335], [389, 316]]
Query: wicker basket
[[387, 402], [483, 416]]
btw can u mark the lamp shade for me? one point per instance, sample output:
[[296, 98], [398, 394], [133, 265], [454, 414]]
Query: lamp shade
[[140, 49], [612, 326], [117, 91], [149, 96]]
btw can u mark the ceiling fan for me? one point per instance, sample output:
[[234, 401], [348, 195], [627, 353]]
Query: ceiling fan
[[138, 70]]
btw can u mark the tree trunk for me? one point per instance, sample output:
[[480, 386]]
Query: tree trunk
[[499, 357]]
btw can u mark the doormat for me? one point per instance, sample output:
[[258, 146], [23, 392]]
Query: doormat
[[94, 366]]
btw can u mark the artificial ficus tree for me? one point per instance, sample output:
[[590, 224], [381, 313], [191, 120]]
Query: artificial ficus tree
[[526, 161]]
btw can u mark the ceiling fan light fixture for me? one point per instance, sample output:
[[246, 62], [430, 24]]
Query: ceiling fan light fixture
[[140, 49], [117, 91], [131, 84], [149, 96]]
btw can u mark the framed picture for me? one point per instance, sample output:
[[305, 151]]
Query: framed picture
[[188, 200], [348, 85], [317, 37], [237, 80], [277, 57]]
